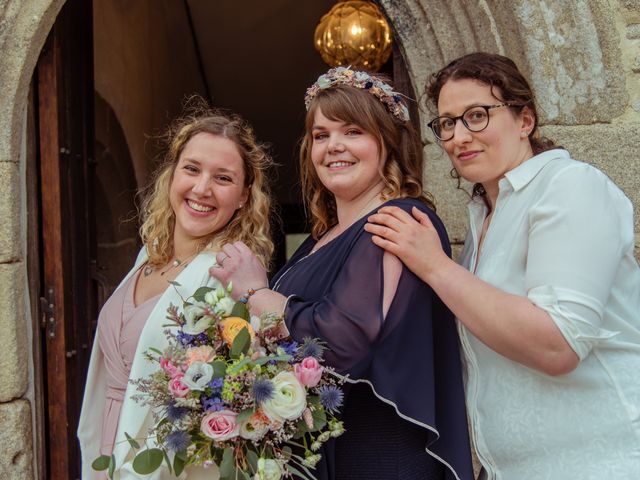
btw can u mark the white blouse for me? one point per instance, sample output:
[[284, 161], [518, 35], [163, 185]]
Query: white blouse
[[562, 235]]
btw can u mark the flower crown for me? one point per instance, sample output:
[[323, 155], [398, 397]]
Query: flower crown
[[357, 79]]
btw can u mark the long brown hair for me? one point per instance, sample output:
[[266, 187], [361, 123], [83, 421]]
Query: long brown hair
[[250, 224], [402, 169]]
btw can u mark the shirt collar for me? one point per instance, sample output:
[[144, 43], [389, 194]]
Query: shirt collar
[[520, 176]]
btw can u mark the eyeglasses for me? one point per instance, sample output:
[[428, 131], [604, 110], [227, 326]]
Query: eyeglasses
[[475, 118]]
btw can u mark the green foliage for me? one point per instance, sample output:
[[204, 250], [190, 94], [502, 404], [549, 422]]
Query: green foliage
[[178, 464], [148, 461], [240, 310], [131, 441], [201, 292], [241, 343], [101, 463], [219, 368]]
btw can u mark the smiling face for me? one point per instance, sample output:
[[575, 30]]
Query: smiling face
[[484, 157], [208, 186], [346, 158]]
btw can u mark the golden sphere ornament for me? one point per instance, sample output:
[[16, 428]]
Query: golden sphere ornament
[[354, 32]]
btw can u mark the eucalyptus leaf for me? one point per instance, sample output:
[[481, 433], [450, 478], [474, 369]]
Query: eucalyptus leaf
[[178, 465], [219, 368], [101, 463], [228, 465], [201, 292], [252, 458], [297, 472], [241, 343], [112, 466], [174, 283], [167, 460], [240, 310], [155, 350], [239, 365], [245, 415], [131, 441], [148, 461]]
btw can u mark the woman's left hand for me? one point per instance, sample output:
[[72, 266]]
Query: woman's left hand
[[414, 240], [236, 263]]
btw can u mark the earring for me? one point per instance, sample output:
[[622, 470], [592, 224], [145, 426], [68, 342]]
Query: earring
[[240, 206], [524, 134]]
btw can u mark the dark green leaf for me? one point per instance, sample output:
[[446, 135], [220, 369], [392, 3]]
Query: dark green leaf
[[201, 292], [112, 466], [148, 461], [240, 310], [228, 465], [131, 441], [297, 472], [167, 460], [219, 368], [178, 465], [174, 283], [101, 463], [252, 458], [241, 343]]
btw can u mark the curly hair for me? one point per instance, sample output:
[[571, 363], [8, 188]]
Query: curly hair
[[401, 171], [250, 224], [507, 84]]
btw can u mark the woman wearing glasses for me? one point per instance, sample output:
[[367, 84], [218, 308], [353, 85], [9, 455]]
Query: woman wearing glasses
[[548, 294]]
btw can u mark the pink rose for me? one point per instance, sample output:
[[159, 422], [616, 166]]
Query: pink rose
[[176, 387], [308, 372], [168, 367], [220, 425], [203, 354]]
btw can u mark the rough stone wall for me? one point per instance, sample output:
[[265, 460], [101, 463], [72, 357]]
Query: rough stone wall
[[24, 25], [583, 57]]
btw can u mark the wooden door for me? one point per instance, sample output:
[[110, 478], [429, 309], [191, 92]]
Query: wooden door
[[64, 80]]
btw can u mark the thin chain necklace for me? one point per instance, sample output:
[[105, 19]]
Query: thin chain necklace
[[149, 269]]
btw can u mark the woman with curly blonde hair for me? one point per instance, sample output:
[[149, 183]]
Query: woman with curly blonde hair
[[210, 190], [404, 409]]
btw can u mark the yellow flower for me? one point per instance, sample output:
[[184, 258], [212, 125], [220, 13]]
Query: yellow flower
[[231, 326]]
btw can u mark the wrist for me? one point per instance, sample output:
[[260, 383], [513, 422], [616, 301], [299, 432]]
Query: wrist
[[244, 298]]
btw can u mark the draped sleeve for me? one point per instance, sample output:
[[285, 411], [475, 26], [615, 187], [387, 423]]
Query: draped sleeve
[[410, 359]]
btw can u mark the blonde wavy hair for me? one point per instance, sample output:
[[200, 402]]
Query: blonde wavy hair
[[249, 224], [402, 169]]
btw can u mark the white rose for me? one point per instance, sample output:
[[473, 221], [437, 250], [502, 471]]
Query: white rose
[[198, 375], [289, 398], [196, 323], [225, 306], [268, 469]]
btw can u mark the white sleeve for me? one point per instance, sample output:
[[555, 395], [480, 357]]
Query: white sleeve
[[579, 229]]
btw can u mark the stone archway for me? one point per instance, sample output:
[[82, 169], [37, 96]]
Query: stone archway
[[579, 56]]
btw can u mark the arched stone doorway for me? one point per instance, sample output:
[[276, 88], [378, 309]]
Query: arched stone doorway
[[578, 54]]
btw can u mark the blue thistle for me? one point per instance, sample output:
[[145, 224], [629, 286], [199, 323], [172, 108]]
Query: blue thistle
[[331, 397], [175, 413], [262, 390], [177, 441], [311, 347]]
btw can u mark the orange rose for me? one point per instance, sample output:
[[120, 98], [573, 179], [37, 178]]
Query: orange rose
[[231, 326]]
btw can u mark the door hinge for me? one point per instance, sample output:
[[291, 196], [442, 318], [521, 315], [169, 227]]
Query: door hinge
[[48, 318]]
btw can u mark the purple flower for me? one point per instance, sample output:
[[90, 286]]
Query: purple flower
[[331, 397], [177, 441], [311, 347], [216, 383], [212, 404], [290, 348]]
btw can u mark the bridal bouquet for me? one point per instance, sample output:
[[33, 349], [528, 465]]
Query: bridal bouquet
[[234, 391]]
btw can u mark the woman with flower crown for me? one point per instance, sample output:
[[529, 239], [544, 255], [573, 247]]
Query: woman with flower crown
[[403, 409], [211, 190]]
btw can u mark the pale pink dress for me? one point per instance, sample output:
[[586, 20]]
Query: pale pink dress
[[120, 324]]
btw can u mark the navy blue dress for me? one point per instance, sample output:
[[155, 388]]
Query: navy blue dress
[[404, 415]]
